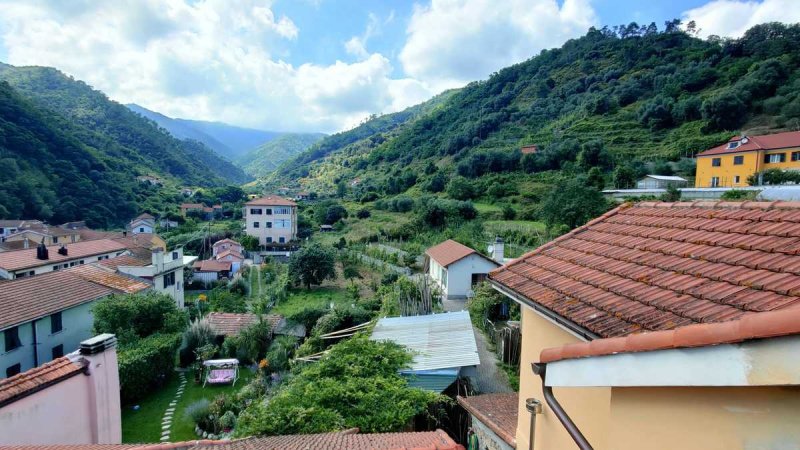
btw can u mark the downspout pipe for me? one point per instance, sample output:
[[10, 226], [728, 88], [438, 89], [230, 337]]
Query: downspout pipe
[[540, 369]]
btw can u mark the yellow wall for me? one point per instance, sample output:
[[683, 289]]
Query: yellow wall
[[703, 418], [588, 407], [753, 162]]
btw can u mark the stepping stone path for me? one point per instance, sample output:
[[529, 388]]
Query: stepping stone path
[[166, 423]]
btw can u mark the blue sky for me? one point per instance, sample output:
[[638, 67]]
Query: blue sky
[[318, 65]]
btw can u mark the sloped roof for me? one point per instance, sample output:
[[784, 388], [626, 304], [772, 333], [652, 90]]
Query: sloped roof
[[658, 266], [343, 440], [763, 142], [230, 324], [192, 206], [449, 252], [108, 277], [209, 265], [225, 241], [125, 260], [665, 177], [26, 258], [438, 341], [496, 411], [38, 378], [231, 252], [271, 200], [771, 324], [144, 216]]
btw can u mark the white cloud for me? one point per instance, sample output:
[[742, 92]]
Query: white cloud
[[206, 59], [732, 18], [452, 42]]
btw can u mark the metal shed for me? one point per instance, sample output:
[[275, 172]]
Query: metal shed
[[443, 345]]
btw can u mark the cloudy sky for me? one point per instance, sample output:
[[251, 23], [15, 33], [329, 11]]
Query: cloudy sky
[[317, 65]]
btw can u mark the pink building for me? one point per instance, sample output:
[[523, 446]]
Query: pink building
[[70, 400]]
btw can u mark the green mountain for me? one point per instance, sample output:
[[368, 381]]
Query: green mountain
[[264, 159], [238, 139], [630, 97], [118, 132]]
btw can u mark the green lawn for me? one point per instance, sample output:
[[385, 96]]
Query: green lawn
[[144, 425], [315, 298]]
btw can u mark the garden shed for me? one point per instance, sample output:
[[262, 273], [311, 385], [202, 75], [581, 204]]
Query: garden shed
[[443, 346]]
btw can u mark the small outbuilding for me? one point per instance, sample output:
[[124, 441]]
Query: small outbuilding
[[661, 182], [443, 346], [456, 268]]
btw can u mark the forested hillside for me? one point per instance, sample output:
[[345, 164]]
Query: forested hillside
[[238, 139], [265, 158], [613, 104], [118, 132]]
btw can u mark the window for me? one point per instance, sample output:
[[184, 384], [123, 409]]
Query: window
[[738, 160], [773, 158], [284, 223], [282, 240], [443, 276], [2, 230], [269, 224], [58, 351], [795, 157], [12, 339], [255, 224], [13, 370], [55, 323], [55, 240], [714, 181], [734, 144], [283, 210], [716, 162], [141, 229], [57, 267], [256, 211], [269, 211], [174, 255], [269, 239], [169, 279]]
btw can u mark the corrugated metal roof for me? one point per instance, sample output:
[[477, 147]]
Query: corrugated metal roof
[[431, 381], [665, 177], [438, 341]]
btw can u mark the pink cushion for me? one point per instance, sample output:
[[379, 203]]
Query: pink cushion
[[221, 375]]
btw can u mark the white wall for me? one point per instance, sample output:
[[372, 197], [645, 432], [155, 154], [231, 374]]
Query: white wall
[[76, 323], [459, 274], [205, 277], [48, 266], [262, 232]]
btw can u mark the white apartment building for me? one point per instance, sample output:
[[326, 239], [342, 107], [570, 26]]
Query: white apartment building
[[271, 219], [165, 271]]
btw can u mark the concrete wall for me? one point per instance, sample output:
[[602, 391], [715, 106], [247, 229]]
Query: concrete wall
[[176, 291], [48, 267], [459, 275], [205, 277], [262, 232], [704, 418], [488, 439], [588, 407], [76, 323]]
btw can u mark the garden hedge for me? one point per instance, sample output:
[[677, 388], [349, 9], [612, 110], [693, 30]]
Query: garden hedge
[[146, 364]]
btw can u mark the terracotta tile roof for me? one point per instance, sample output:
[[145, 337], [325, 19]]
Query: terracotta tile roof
[[752, 326], [449, 252], [225, 241], [231, 252], [658, 266], [144, 216], [23, 259], [125, 260], [192, 206], [529, 149], [230, 324], [347, 440], [91, 235], [764, 142], [108, 277], [496, 411], [26, 299], [271, 200], [38, 378], [209, 265]]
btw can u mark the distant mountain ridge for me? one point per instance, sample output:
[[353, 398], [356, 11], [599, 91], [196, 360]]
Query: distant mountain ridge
[[268, 156]]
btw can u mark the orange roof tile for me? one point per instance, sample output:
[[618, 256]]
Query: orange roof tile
[[231, 252], [230, 324], [225, 241], [209, 265], [496, 411], [271, 200], [449, 252], [125, 260], [751, 326], [658, 266], [38, 378], [108, 277], [23, 259], [764, 142]]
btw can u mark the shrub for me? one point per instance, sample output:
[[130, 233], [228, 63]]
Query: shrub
[[198, 411], [197, 335], [572, 204], [307, 317], [280, 352], [137, 315], [363, 213], [254, 341], [460, 188], [725, 111], [738, 194], [146, 365], [312, 265], [509, 213]]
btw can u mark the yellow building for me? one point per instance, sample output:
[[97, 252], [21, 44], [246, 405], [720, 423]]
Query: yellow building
[[729, 164], [661, 326]]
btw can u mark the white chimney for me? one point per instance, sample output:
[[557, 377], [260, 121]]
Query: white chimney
[[498, 250], [158, 259], [100, 354]]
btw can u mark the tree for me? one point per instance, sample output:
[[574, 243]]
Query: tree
[[249, 242], [594, 154], [624, 177], [341, 189], [363, 213], [572, 204], [312, 265], [725, 111], [672, 194], [134, 316], [335, 213], [460, 188], [437, 182], [595, 179]]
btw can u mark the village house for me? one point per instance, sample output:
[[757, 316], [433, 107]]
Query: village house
[[41, 317], [272, 220], [34, 233], [661, 182], [9, 227], [191, 207], [456, 268], [43, 259], [730, 164], [143, 223], [609, 309], [71, 400], [164, 270], [230, 251], [529, 149], [210, 271], [231, 324]]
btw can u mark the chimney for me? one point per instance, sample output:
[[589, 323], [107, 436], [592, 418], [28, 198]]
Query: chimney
[[100, 353], [63, 250], [158, 259], [27, 243], [498, 250], [42, 252]]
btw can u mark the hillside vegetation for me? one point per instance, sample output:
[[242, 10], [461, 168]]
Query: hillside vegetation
[[264, 159], [611, 105]]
